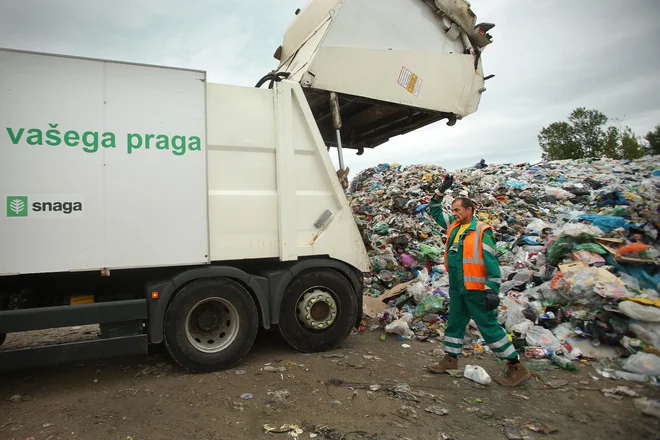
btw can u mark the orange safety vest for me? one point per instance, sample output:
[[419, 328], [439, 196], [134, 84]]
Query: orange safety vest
[[474, 266]]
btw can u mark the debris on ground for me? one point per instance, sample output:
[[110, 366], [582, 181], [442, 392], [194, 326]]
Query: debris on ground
[[578, 247], [335, 434], [434, 409], [623, 391], [293, 430]]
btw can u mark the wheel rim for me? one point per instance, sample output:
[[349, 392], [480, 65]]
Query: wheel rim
[[317, 308], [212, 325]]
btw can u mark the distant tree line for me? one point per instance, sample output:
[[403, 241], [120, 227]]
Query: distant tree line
[[587, 134]]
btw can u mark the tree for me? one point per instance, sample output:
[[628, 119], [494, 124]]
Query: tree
[[631, 148], [586, 135], [611, 148], [653, 138], [583, 136], [558, 142]]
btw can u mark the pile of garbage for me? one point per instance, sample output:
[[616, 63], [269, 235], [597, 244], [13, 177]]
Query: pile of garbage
[[577, 243]]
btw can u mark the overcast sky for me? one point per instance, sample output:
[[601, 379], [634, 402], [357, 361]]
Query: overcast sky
[[549, 57]]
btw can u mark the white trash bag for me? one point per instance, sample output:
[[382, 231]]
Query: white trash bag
[[477, 374]]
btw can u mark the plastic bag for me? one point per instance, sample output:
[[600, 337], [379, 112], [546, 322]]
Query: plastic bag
[[407, 318], [649, 332], [640, 312], [536, 226], [631, 282], [418, 291], [548, 293], [431, 304], [615, 289], [539, 336], [477, 374], [514, 314], [643, 363], [577, 230], [430, 252], [563, 331], [381, 228], [591, 247], [632, 248], [523, 327], [407, 260], [604, 222], [401, 328], [578, 284], [560, 193]]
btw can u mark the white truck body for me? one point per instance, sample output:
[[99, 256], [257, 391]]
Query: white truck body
[[109, 165], [166, 209]]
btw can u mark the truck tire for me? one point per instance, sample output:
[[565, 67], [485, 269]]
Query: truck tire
[[2, 338], [210, 325], [318, 311]]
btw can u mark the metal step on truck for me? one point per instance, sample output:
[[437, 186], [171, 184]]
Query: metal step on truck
[[167, 209]]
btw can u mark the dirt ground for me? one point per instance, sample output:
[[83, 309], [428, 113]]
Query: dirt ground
[[356, 391]]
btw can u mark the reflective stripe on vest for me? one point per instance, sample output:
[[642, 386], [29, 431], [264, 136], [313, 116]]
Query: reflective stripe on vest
[[474, 266]]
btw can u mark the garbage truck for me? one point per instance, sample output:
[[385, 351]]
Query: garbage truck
[[162, 208]]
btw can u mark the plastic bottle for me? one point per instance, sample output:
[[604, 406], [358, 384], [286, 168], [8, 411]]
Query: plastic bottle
[[563, 362]]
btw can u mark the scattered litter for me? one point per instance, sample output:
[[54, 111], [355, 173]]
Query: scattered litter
[[15, 398], [240, 372], [477, 374], [438, 410], [623, 391], [558, 383], [247, 396], [293, 430], [405, 345], [648, 406], [274, 369], [407, 412]]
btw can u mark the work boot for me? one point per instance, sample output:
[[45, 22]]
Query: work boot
[[448, 363], [514, 375]]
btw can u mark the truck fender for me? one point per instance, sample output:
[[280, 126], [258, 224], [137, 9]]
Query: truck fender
[[167, 288], [280, 283]]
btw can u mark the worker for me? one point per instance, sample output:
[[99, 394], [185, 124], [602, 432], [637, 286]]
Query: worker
[[474, 283]]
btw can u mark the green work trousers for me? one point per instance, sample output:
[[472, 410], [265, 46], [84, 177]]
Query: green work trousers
[[470, 305]]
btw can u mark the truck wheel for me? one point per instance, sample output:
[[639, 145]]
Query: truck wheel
[[210, 325], [318, 311], [2, 338]]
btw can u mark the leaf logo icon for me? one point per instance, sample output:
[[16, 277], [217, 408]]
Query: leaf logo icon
[[17, 206]]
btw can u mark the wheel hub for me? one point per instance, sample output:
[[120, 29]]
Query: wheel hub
[[207, 321], [317, 310], [212, 325]]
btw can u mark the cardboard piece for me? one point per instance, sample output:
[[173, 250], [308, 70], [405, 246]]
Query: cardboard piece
[[573, 266], [373, 306]]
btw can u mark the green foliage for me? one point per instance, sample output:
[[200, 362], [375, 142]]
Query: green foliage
[[653, 138], [587, 135]]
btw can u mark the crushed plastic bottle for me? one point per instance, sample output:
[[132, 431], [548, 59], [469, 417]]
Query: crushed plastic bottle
[[563, 362]]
